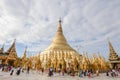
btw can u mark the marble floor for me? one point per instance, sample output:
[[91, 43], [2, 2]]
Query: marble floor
[[33, 75]]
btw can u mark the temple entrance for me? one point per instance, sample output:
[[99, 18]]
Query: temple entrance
[[115, 66]]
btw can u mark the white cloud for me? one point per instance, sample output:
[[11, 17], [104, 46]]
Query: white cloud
[[85, 22]]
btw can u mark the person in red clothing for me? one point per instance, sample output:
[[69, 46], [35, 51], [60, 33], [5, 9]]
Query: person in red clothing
[[42, 70]]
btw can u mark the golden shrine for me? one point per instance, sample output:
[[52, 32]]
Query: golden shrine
[[60, 55], [114, 59], [8, 57]]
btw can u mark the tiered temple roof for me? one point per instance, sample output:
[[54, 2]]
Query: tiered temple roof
[[113, 57], [9, 55], [12, 51]]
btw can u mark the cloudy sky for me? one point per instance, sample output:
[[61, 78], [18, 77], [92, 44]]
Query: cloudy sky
[[86, 24]]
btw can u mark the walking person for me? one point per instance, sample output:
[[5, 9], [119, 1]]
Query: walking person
[[51, 72], [28, 69], [11, 73], [80, 73], [89, 74], [113, 72], [107, 73], [59, 71], [97, 73], [42, 70], [63, 72], [18, 71]]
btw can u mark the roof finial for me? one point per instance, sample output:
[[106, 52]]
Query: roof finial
[[60, 26]]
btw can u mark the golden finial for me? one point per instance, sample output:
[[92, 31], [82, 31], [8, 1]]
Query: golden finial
[[60, 26], [60, 22]]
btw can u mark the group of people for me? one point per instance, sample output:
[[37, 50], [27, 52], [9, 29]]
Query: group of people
[[88, 73], [19, 70], [113, 72], [50, 72], [6, 68], [71, 72]]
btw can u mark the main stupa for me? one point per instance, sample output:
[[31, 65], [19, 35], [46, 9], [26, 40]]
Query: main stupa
[[60, 54]]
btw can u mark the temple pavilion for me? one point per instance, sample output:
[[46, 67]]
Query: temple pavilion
[[114, 59], [60, 54], [8, 57]]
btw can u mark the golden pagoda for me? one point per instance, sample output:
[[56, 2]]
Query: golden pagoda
[[98, 62], [85, 64], [24, 59], [60, 54], [8, 57], [114, 59]]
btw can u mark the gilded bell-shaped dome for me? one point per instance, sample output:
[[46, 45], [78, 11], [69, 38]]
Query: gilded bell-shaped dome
[[58, 51]]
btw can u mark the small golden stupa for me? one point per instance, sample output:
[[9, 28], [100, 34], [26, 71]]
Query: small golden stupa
[[10, 56], [60, 55], [114, 59]]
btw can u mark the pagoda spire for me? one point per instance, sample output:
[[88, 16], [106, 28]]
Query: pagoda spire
[[24, 54], [3, 47], [12, 50], [59, 41], [12, 46], [60, 26], [113, 55]]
